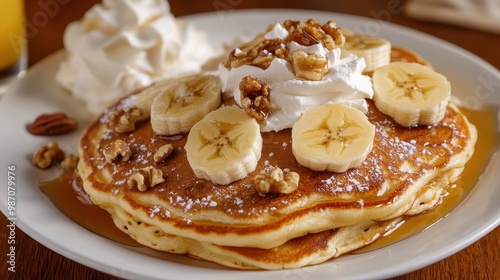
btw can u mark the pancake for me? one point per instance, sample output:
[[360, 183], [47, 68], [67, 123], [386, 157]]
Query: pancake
[[401, 163], [299, 252], [302, 251], [406, 55], [406, 173]]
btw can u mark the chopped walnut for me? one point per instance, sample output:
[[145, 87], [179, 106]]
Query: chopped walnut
[[117, 151], [260, 55], [69, 162], [46, 155], [123, 120], [255, 97], [335, 33], [146, 178], [163, 152], [309, 66], [311, 33], [261, 52], [277, 182]]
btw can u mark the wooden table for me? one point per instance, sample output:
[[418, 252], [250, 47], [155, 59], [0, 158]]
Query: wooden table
[[46, 23]]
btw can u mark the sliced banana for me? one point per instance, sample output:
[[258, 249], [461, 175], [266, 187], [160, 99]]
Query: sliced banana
[[186, 101], [144, 99], [332, 137], [224, 146], [375, 51], [410, 93]]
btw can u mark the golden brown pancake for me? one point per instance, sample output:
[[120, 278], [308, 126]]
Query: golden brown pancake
[[328, 215], [403, 160], [406, 55], [306, 250]]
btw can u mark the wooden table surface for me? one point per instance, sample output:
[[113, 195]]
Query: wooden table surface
[[46, 23]]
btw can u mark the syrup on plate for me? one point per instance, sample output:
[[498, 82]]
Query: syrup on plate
[[67, 194], [69, 197]]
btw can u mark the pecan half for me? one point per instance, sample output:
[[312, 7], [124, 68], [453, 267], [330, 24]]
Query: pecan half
[[52, 124]]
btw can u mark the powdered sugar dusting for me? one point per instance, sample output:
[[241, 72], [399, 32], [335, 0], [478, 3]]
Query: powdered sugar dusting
[[153, 211], [188, 204]]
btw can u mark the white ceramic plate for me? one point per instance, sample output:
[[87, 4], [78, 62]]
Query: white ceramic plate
[[473, 80]]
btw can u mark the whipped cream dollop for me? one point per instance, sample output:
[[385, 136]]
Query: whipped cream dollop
[[122, 45], [290, 95]]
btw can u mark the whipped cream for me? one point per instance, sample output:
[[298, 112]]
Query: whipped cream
[[122, 45], [291, 96]]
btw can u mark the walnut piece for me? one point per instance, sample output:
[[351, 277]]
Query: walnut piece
[[260, 55], [277, 182], [163, 152], [255, 98], [123, 120], [146, 178], [335, 33], [261, 52], [311, 33], [117, 151], [309, 66], [69, 162], [46, 155]]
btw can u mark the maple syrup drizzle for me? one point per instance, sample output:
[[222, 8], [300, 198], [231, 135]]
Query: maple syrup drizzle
[[69, 197]]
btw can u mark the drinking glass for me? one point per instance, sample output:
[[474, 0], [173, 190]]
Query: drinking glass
[[13, 51]]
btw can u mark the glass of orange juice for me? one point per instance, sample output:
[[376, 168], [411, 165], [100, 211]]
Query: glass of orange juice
[[13, 52]]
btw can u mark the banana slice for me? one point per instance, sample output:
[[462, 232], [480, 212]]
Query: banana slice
[[411, 93], [224, 146], [144, 99], [186, 101], [332, 137], [375, 51]]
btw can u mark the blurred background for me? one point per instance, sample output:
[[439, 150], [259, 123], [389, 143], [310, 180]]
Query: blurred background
[[47, 19]]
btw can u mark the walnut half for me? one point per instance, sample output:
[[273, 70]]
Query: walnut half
[[277, 182], [260, 55], [46, 155], [311, 32], [309, 66], [124, 120], [255, 97], [69, 162], [146, 178], [163, 152], [117, 151]]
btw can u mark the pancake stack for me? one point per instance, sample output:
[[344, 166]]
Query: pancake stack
[[140, 162]]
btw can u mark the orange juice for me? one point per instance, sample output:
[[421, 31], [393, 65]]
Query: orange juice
[[12, 34]]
